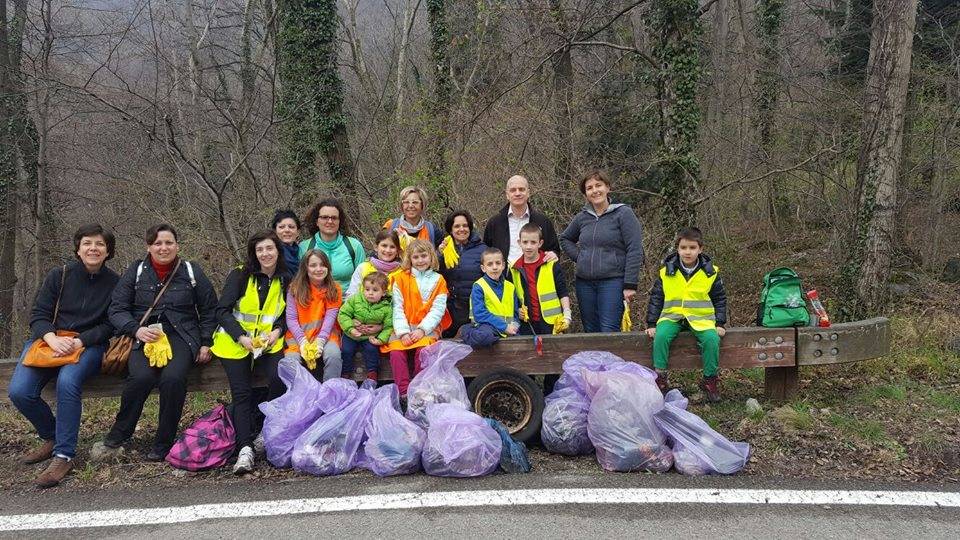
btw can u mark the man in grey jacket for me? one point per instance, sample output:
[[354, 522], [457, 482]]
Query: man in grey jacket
[[606, 242]]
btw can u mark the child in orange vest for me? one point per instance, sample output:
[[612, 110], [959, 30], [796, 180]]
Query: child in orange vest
[[313, 301], [419, 310]]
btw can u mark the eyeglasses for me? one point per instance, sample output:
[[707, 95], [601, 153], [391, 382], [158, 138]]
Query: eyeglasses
[[329, 218]]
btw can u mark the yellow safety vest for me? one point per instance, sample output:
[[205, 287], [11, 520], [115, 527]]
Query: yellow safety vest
[[550, 309], [253, 319], [498, 307], [690, 300]]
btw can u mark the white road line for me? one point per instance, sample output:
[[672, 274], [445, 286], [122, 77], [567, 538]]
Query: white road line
[[522, 497]]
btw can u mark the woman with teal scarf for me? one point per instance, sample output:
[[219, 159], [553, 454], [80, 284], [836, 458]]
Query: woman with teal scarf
[[328, 233]]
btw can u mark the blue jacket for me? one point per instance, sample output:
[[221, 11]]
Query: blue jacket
[[606, 246], [481, 315], [461, 277]]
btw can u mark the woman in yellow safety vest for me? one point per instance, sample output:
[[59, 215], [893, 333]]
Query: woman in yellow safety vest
[[251, 317]]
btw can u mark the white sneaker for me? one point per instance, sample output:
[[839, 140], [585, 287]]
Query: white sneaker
[[244, 463], [259, 447]]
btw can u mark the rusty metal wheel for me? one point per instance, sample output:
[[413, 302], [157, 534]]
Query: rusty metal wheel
[[512, 398]]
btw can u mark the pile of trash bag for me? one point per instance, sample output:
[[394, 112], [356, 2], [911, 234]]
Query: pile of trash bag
[[620, 422], [393, 443], [698, 449], [439, 381], [288, 416], [605, 404], [564, 426], [459, 443], [331, 445], [330, 428]]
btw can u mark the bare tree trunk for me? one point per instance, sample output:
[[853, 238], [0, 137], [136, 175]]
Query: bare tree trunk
[[45, 231], [888, 75], [409, 12], [562, 96]]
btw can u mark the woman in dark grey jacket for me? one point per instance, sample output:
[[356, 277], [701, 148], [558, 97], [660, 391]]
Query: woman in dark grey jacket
[[187, 313], [606, 242]]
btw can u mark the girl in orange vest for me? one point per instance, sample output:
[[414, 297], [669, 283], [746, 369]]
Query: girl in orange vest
[[313, 301], [419, 310]]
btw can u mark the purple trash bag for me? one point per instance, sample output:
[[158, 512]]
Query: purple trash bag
[[331, 445], [439, 381], [564, 427], [676, 398], [584, 360], [394, 444], [287, 416], [459, 443], [620, 422], [336, 393], [207, 444], [697, 448]]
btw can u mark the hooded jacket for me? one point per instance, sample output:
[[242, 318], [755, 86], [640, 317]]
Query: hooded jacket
[[718, 294], [606, 246]]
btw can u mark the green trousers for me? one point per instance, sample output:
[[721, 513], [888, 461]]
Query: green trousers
[[707, 340]]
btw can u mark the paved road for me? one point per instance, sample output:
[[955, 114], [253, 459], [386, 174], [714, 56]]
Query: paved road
[[533, 521]]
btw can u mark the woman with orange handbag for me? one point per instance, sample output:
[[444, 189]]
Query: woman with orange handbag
[[70, 330]]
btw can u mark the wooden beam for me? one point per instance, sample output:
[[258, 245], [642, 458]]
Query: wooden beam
[[843, 342], [740, 348]]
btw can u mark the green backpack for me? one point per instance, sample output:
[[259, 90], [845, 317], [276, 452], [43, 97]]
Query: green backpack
[[782, 303]]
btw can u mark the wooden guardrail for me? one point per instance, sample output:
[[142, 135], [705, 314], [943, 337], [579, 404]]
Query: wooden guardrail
[[780, 351]]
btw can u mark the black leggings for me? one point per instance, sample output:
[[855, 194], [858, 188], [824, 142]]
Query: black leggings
[[245, 398], [171, 381]]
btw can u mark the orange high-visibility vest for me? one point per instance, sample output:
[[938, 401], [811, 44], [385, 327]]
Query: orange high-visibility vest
[[311, 317], [416, 309]]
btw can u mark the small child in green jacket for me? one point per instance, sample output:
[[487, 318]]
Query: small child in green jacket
[[359, 318]]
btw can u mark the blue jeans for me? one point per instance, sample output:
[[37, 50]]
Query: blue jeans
[[27, 383], [370, 352], [601, 304]]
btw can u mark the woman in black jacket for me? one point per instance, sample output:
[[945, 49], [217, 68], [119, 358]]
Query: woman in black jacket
[[187, 313], [74, 297]]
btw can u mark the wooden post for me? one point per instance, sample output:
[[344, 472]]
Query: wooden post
[[780, 383]]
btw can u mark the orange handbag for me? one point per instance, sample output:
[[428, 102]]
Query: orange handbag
[[40, 355]]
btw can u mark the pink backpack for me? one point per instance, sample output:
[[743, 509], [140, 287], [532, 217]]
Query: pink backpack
[[207, 444]]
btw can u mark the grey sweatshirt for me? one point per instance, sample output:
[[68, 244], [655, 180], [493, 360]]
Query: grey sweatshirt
[[606, 246]]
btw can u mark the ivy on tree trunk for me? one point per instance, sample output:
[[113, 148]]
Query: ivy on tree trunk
[[443, 89], [311, 99], [675, 31]]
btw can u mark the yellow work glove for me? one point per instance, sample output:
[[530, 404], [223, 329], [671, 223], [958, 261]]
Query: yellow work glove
[[561, 326], [158, 352], [405, 240], [524, 314], [450, 255], [625, 323], [310, 352]]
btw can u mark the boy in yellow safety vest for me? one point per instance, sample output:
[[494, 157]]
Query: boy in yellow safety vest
[[688, 294], [493, 304], [540, 286]]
